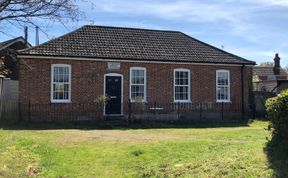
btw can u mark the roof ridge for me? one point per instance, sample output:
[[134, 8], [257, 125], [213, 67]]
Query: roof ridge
[[132, 28]]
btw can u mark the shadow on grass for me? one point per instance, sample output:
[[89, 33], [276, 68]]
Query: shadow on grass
[[102, 125], [277, 154]]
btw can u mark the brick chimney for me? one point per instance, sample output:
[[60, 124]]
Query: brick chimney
[[276, 68]]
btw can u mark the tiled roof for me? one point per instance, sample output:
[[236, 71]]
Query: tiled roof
[[133, 44], [266, 71]]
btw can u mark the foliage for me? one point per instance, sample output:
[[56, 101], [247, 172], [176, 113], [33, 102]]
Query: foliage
[[255, 79], [174, 152], [266, 64], [102, 100], [138, 99], [276, 109]]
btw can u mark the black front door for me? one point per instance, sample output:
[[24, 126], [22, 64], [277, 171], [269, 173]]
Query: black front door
[[113, 92]]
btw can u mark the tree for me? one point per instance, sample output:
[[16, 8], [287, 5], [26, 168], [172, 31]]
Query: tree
[[19, 12], [266, 64]]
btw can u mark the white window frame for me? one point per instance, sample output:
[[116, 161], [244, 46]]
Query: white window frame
[[228, 94], [52, 82], [145, 82], [189, 85]]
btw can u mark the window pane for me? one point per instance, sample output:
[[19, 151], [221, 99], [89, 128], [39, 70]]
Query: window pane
[[61, 70], [59, 87], [137, 91], [138, 76], [222, 78], [181, 78], [222, 93], [55, 75], [181, 93], [66, 87]]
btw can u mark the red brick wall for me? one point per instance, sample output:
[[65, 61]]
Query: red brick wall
[[88, 79]]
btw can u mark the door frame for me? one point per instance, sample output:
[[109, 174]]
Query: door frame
[[104, 92]]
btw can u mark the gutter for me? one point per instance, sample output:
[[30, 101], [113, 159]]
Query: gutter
[[1, 85], [109, 59]]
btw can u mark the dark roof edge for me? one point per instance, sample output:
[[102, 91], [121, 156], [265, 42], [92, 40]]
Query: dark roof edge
[[11, 41], [233, 55], [130, 59], [132, 28]]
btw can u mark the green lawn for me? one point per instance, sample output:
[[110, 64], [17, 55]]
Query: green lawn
[[175, 152]]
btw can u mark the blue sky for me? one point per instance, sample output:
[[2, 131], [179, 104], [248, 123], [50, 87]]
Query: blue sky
[[253, 29]]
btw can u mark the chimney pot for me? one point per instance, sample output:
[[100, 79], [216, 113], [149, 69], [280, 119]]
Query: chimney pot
[[277, 66]]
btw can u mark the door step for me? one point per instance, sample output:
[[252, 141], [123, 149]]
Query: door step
[[116, 121]]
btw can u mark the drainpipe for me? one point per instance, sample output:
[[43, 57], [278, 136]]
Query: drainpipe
[[242, 92], [1, 86]]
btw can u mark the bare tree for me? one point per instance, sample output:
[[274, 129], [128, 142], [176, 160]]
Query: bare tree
[[26, 10], [20, 12], [266, 64]]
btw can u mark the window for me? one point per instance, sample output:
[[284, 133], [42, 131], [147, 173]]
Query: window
[[223, 86], [137, 84], [271, 77], [60, 83], [181, 85]]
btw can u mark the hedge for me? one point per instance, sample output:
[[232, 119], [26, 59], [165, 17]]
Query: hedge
[[277, 113]]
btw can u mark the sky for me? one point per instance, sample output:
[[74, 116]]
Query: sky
[[252, 29]]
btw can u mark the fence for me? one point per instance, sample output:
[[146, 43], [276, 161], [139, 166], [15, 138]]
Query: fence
[[133, 112], [8, 111], [9, 100], [185, 112], [60, 112]]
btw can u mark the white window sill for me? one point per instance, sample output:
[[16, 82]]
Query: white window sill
[[223, 101], [181, 101], [60, 102], [138, 101]]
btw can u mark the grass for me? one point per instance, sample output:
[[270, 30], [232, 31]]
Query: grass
[[170, 152]]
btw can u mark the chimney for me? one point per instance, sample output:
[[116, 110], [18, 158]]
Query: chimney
[[26, 34], [276, 68], [37, 36]]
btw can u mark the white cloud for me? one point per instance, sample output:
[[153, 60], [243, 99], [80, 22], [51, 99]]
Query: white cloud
[[234, 16], [258, 54], [195, 11]]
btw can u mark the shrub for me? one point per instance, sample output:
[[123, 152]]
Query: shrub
[[277, 110]]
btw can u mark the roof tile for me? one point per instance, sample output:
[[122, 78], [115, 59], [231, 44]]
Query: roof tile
[[133, 44]]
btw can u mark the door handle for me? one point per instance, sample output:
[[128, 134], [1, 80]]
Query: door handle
[[113, 97]]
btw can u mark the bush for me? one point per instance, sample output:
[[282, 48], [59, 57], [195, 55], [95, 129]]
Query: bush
[[277, 110]]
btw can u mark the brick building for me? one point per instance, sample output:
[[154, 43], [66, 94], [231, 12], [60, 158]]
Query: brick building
[[137, 64], [271, 78], [8, 59]]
